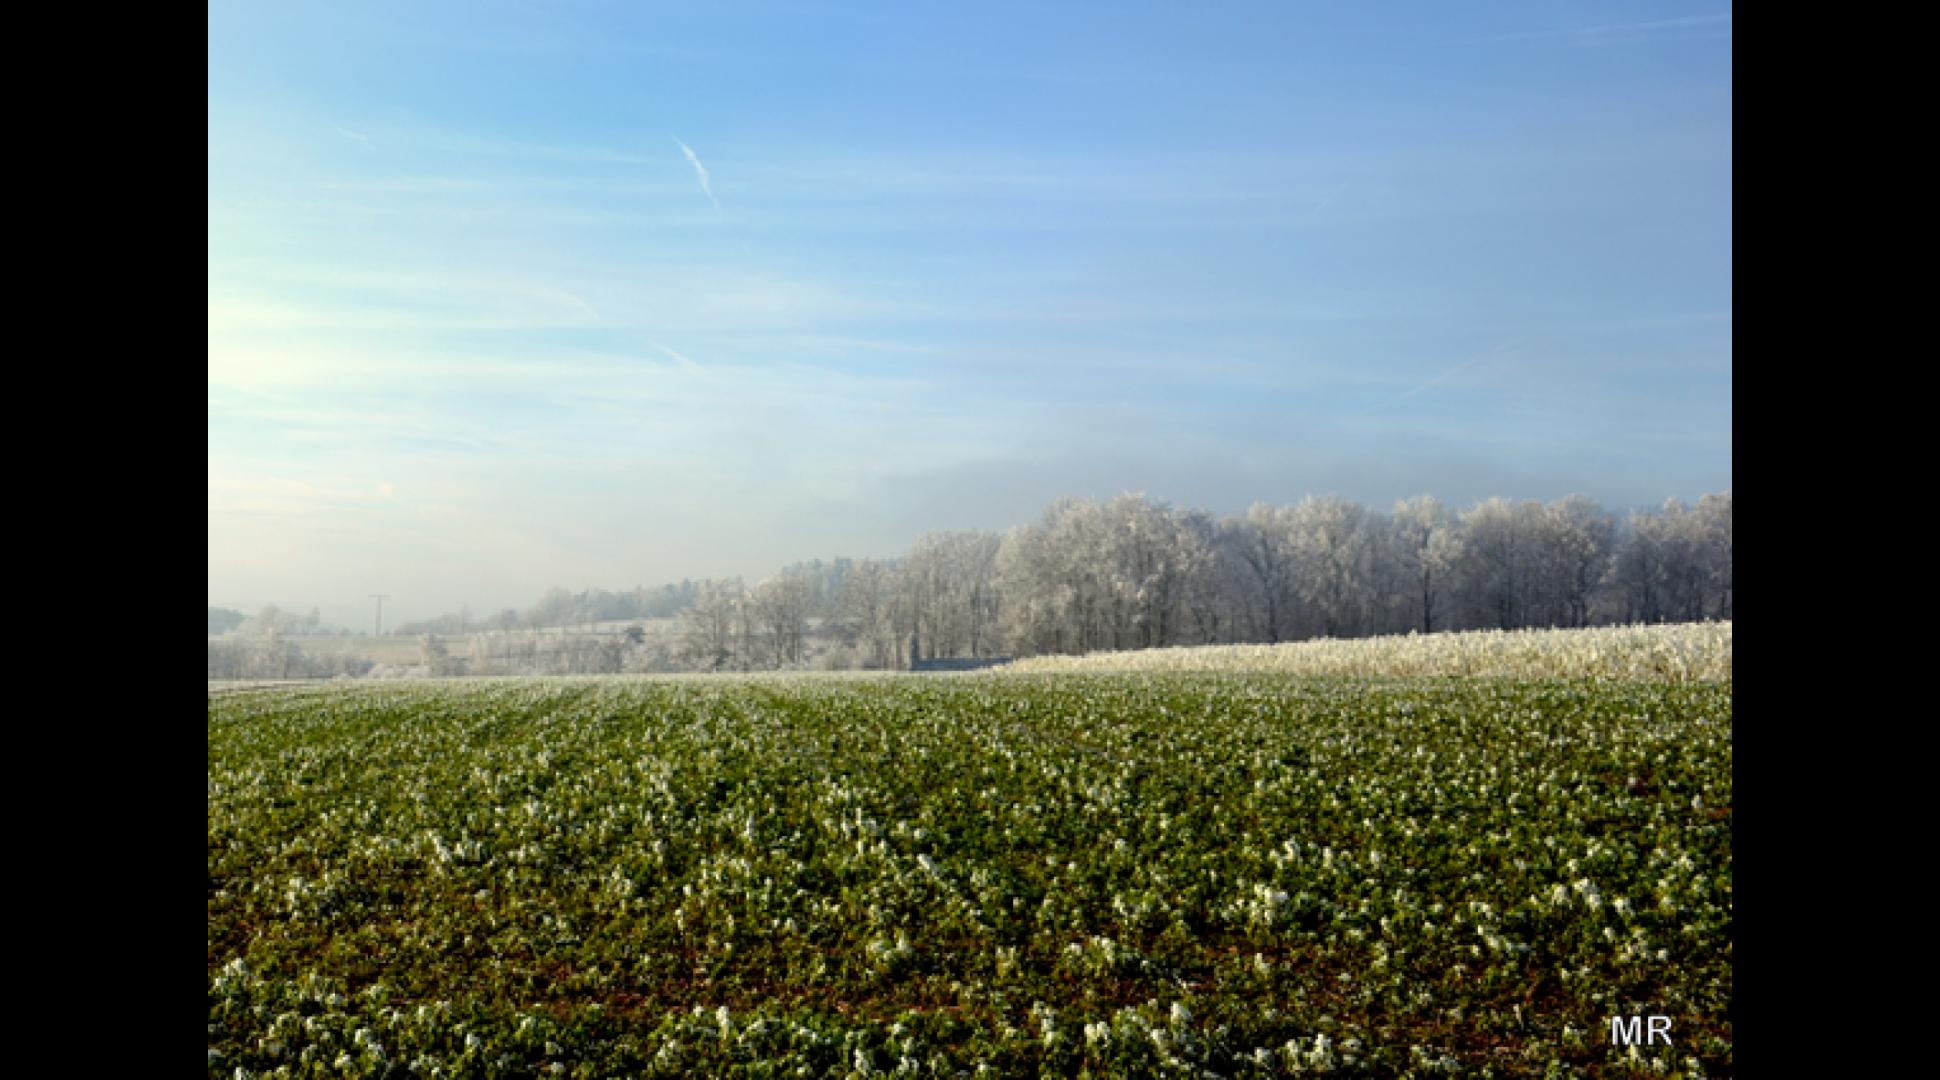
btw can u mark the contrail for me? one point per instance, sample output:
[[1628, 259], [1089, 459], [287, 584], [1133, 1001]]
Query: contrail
[[688, 364], [1435, 380], [1443, 377], [700, 170]]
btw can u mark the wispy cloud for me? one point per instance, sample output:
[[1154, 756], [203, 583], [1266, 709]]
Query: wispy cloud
[[700, 170]]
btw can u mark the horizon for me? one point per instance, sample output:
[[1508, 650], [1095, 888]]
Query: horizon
[[345, 617], [503, 298]]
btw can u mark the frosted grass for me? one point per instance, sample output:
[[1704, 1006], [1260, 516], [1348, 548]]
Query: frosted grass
[[1681, 652]]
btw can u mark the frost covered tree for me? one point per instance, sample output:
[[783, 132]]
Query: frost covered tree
[[431, 650], [1121, 574], [707, 636], [223, 620], [976, 580], [1497, 539], [1576, 544], [868, 609], [950, 585], [926, 588], [1212, 589], [1686, 562], [1334, 549], [270, 620], [1053, 587], [1713, 528], [1423, 547], [1036, 601], [1670, 566], [557, 608], [1152, 556], [1261, 545], [780, 607]]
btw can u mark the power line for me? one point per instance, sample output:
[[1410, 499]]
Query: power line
[[380, 598]]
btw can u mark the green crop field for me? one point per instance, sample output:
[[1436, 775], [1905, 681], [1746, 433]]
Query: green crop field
[[1127, 874]]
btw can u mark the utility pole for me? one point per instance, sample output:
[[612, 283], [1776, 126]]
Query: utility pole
[[380, 598]]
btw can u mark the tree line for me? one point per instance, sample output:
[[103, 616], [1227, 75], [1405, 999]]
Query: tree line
[[1135, 573], [1089, 575], [563, 608], [260, 647]]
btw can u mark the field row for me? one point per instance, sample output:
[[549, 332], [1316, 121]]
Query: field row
[[1233, 875]]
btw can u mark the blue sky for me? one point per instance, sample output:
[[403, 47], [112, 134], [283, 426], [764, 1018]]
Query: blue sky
[[510, 295]]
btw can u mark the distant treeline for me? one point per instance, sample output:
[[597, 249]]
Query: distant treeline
[[1125, 573], [1134, 573], [259, 647], [564, 608]]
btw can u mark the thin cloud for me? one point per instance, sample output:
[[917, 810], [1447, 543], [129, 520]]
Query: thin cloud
[[700, 170]]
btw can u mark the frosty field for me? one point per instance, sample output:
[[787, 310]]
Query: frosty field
[[1667, 652], [1231, 874]]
